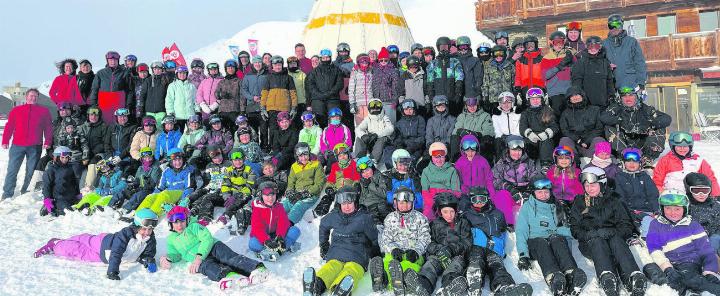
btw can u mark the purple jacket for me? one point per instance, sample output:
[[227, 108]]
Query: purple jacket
[[684, 242], [474, 172], [510, 174], [221, 138], [386, 83]]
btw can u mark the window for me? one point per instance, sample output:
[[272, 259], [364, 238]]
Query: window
[[666, 25], [636, 28], [709, 20], [562, 28]]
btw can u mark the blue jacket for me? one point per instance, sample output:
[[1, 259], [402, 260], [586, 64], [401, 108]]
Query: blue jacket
[[165, 142], [109, 185], [488, 228], [625, 52], [637, 191], [537, 219], [117, 244], [409, 180], [353, 236], [172, 179]]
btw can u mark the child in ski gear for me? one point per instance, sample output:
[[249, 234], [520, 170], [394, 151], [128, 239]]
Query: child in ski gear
[[305, 182], [271, 232], [193, 132], [636, 189], [191, 242], [373, 190], [528, 72], [506, 122], [278, 95], [343, 173], [374, 132], [110, 183], [440, 125], [445, 77], [345, 257], [413, 81], [146, 137], [134, 243], [542, 234], [593, 73], [564, 176], [203, 201], [97, 134], [238, 181], [473, 169], [403, 174], [498, 79], [601, 224], [283, 141], [704, 207], [473, 121], [403, 242], [333, 134], [311, 133], [555, 67], [233, 95], [672, 168], [681, 248], [440, 176], [168, 138], [410, 129], [270, 173], [512, 175], [386, 84], [180, 98], [360, 88], [60, 184], [580, 124], [205, 97], [217, 135], [70, 136], [603, 159], [539, 125], [242, 121], [250, 148], [147, 177], [176, 182]]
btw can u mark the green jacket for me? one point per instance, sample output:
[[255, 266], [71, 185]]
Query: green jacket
[[445, 177], [479, 122], [309, 177], [311, 136], [299, 79], [180, 99], [194, 240], [190, 138]]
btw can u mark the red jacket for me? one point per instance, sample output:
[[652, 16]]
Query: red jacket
[[348, 173], [670, 172], [266, 220], [27, 124], [65, 89], [528, 72]]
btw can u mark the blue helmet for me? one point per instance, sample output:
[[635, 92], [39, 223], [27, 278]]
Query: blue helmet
[[145, 218], [175, 152], [170, 64], [230, 63], [335, 112], [325, 53], [393, 48]]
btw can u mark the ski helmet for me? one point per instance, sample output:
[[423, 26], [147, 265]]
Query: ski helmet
[[215, 119], [408, 104], [122, 112], [284, 115], [515, 43], [326, 53], [170, 64], [343, 47], [403, 193], [592, 175], [401, 156], [615, 21], [416, 46], [267, 188], [413, 61], [440, 100], [515, 142], [197, 63], [112, 55], [506, 96], [528, 39], [244, 131], [444, 200], [680, 138], [65, 106], [341, 148], [157, 65], [241, 119], [574, 26], [557, 34], [563, 151], [62, 151], [302, 148], [672, 197], [478, 195], [181, 69], [540, 182], [375, 106], [697, 183], [169, 119], [632, 154], [177, 214], [307, 115], [535, 92], [142, 67], [346, 194], [194, 118], [463, 40], [146, 151], [499, 51], [500, 34], [392, 48], [335, 112], [131, 57], [231, 63], [174, 153], [276, 59], [149, 121], [364, 163], [145, 218], [214, 150], [442, 41], [213, 66], [437, 149]]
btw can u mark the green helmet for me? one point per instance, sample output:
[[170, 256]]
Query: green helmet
[[672, 197], [146, 151], [462, 40]]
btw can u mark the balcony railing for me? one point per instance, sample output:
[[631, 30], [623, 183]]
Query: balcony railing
[[686, 51]]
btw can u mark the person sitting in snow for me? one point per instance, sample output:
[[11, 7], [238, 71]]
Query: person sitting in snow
[[203, 201], [373, 190], [603, 159], [671, 169], [176, 182], [189, 241], [109, 183], [374, 132], [403, 242], [342, 173], [440, 176], [512, 177], [60, 184], [704, 206], [134, 243], [271, 232], [237, 185], [346, 258], [636, 189], [680, 246], [146, 178], [248, 144], [305, 182], [217, 135], [167, 139], [403, 174]]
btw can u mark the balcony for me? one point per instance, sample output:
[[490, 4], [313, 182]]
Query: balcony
[[685, 51]]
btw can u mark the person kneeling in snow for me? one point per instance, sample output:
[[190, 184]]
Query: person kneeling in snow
[[191, 242], [305, 182], [680, 246], [353, 240], [134, 243], [60, 184], [111, 182], [271, 232]]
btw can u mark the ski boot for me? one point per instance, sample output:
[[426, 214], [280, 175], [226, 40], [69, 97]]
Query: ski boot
[[474, 278], [268, 255], [523, 289], [242, 217], [47, 248], [377, 273], [396, 277], [457, 287], [557, 283], [344, 288], [575, 280], [638, 284], [309, 282], [609, 283], [323, 207], [231, 281], [656, 276], [413, 284]]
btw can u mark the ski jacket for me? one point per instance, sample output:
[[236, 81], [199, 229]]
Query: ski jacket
[[445, 177], [637, 191], [376, 124], [110, 184], [513, 174], [221, 138], [252, 85], [238, 180], [456, 237], [180, 99], [284, 141], [611, 169], [528, 71], [194, 240], [531, 121], [565, 186], [537, 219], [109, 80], [98, 138], [670, 171], [507, 123], [77, 142], [124, 246], [498, 78], [85, 84], [625, 52], [148, 177], [473, 72], [28, 125], [386, 83], [374, 190], [64, 88], [592, 73], [475, 172], [360, 87], [340, 177], [589, 215], [580, 122], [682, 242], [406, 231], [333, 135], [141, 140], [351, 237], [173, 179], [196, 78], [439, 128], [479, 122], [230, 95], [251, 150], [308, 177], [278, 92], [707, 214], [488, 227], [153, 93], [165, 142], [206, 91], [120, 139], [268, 222], [311, 136], [410, 131], [60, 183], [415, 87], [299, 78], [445, 76], [213, 175], [324, 83], [190, 137], [557, 78], [409, 180]]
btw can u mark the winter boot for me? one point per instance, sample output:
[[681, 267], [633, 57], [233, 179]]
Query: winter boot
[[457, 287], [47, 248], [242, 217], [609, 283], [396, 277], [415, 285], [556, 282], [323, 207], [309, 279], [344, 288], [259, 275], [656, 276], [474, 278], [231, 281], [268, 255], [638, 284], [377, 273], [523, 289], [575, 280]]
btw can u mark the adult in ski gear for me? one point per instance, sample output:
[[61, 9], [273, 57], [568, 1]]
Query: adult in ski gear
[[593, 74], [580, 124], [505, 121], [528, 70], [98, 136], [64, 87], [180, 98], [625, 55], [498, 78], [277, 95], [151, 101], [231, 96], [252, 86], [445, 77], [110, 87], [555, 67], [473, 69], [323, 86], [539, 125], [413, 82], [386, 84]]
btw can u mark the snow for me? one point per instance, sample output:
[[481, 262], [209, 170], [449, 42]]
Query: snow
[[25, 231]]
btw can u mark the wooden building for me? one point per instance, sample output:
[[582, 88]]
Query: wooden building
[[680, 40]]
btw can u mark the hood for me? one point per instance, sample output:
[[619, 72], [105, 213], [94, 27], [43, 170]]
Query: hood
[[617, 40], [600, 55], [575, 90], [468, 137]]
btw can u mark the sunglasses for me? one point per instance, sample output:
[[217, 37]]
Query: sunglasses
[[149, 223], [469, 145], [542, 184], [479, 199], [438, 153], [179, 217], [384, 60], [122, 112], [631, 156], [404, 196], [700, 190]]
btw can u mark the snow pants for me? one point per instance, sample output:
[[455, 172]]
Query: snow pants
[[375, 151], [692, 279], [291, 237], [82, 247], [296, 210], [489, 263], [222, 260], [542, 150], [155, 201], [93, 200], [333, 272], [204, 205], [552, 253], [432, 269], [136, 199], [610, 255], [404, 263]]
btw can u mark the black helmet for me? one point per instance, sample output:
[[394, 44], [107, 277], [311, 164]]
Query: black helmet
[[615, 21], [530, 38], [276, 60], [442, 41], [499, 48], [197, 63], [557, 34], [594, 39], [500, 34], [346, 194], [696, 179], [413, 61], [416, 46], [403, 193], [445, 199], [516, 42], [302, 148]]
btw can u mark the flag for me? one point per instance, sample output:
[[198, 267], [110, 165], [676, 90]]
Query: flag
[[177, 55], [166, 54], [253, 47], [234, 51]]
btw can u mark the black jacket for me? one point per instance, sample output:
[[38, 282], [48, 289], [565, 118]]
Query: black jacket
[[354, 236], [580, 122], [152, 94], [637, 190], [607, 212], [531, 119], [121, 138], [410, 131], [324, 83], [117, 243], [637, 120], [98, 139], [473, 70], [60, 183], [593, 74], [107, 80], [457, 239], [707, 214], [284, 141], [85, 84]]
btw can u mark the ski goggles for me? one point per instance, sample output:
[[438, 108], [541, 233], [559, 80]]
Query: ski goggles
[[464, 47], [404, 160], [498, 53], [343, 47], [615, 25], [178, 217], [438, 153], [345, 197], [700, 190], [307, 116], [577, 26], [362, 166], [375, 105], [268, 191], [404, 196], [122, 112], [428, 52], [516, 144], [470, 145], [679, 138], [213, 66], [93, 111], [112, 55], [175, 156], [215, 120], [149, 223], [535, 92], [483, 50], [408, 105], [595, 46], [626, 90], [590, 178], [542, 184], [631, 156], [146, 153], [131, 57], [149, 122], [479, 199], [194, 118], [63, 154], [237, 155], [302, 150], [563, 151]]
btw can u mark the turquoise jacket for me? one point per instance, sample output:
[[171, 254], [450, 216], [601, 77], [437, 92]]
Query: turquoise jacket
[[537, 219]]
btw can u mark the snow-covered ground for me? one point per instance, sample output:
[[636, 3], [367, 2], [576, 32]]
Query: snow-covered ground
[[24, 231]]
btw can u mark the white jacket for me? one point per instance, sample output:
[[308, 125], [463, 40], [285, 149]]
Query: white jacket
[[506, 124]]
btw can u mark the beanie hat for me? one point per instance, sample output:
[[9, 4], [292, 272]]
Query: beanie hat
[[384, 54], [602, 147]]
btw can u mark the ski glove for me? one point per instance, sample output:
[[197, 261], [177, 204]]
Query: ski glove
[[292, 113], [113, 276], [673, 276], [397, 254], [151, 267], [411, 255], [533, 137], [369, 139], [712, 278], [229, 201], [324, 247], [329, 191], [48, 204], [523, 263], [444, 256], [272, 244]]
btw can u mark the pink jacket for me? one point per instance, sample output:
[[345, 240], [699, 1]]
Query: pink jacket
[[333, 135], [206, 92], [65, 89], [562, 186], [27, 124]]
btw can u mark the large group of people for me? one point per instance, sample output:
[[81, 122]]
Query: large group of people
[[431, 157]]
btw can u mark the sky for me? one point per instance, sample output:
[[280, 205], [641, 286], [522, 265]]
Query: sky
[[37, 34]]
